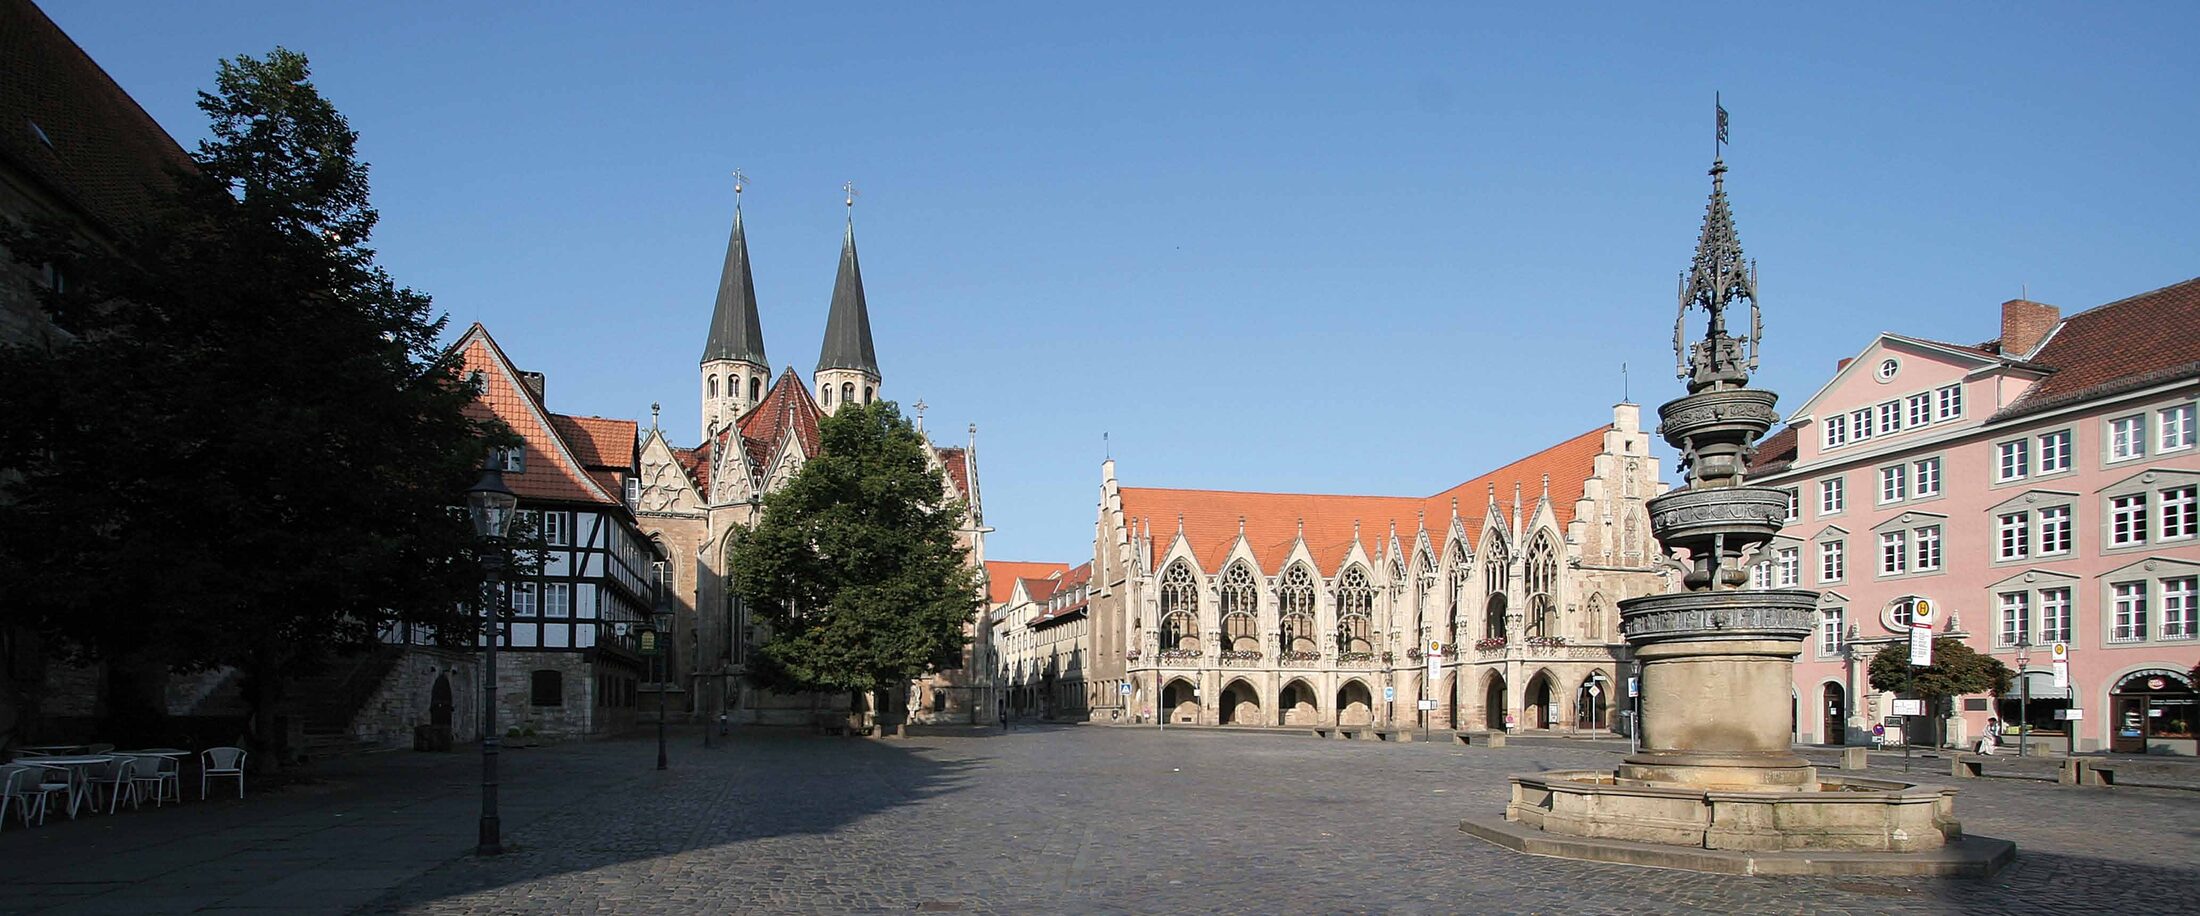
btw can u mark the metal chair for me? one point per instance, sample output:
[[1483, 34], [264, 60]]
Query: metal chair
[[221, 761], [52, 780], [163, 776], [15, 790], [117, 776]]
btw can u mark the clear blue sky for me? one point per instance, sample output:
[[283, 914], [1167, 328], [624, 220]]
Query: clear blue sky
[[1330, 248]]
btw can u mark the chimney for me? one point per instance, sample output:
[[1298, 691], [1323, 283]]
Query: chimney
[[533, 381], [1844, 363], [2024, 324]]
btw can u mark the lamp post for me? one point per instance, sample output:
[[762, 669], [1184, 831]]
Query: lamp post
[[657, 628], [2024, 695], [490, 503]]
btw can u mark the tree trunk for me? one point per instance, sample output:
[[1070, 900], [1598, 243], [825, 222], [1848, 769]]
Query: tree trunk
[[263, 694]]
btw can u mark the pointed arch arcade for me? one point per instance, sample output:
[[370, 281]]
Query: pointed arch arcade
[[1295, 610], [1179, 608], [1541, 579], [1355, 611]]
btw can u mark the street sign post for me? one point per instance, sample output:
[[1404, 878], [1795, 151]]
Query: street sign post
[[2061, 656], [1922, 623]]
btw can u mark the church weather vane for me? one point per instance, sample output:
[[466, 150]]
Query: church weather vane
[[740, 181], [849, 189], [1718, 278]]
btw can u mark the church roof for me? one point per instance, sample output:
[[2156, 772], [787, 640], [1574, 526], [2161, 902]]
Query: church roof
[[957, 462], [787, 405], [1272, 521], [696, 462], [65, 124], [848, 325], [735, 330]]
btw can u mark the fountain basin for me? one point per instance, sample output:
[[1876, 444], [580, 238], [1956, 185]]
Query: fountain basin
[[1833, 813]]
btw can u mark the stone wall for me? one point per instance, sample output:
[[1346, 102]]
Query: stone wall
[[405, 698]]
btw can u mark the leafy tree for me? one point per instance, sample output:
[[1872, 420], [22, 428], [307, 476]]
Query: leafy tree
[[249, 454], [1956, 670], [855, 565]]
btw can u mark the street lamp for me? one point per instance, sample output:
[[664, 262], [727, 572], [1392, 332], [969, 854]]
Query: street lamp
[[2024, 701], [490, 504], [658, 624]]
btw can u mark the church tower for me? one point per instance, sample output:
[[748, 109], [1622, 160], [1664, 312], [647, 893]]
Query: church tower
[[735, 371], [847, 366]]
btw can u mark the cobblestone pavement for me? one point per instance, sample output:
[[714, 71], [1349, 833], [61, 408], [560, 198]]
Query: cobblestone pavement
[[1120, 820]]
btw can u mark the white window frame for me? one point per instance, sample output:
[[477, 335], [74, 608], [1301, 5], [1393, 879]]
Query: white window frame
[[2174, 428], [1832, 625], [555, 531], [1860, 424], [1925, 478], [557, 599], [2012, 460], [2126, 439], [2056, 613], [1795, 502], [1833, 560], [1833, 496], [2177, 512], [1894, 552], [2012, 618], [1787, 567], [2128, 610], [2012, 536], [2180, 607], [1837, 431], [1948, 402], [523, 600], [1894, 483], [1926, 541], [1919, 408], [2057, 530], [2127, 520], [1890, 417], [2055, 451]]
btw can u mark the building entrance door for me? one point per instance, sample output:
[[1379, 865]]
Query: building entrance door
[[439, 701], [1835, 727]]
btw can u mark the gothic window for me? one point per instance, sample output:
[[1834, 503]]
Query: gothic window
[[1542, 582], [1423, 586], [1593, 627], [714, 386], [827, 392], [847, 392], [1240, 604], [1627, 483], [1179, 608], [1497, 572], [753, 383], [1355, 611], [1295, 609], [866, 394]]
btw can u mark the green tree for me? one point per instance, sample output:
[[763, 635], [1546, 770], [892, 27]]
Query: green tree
[[248, 455], [855, 566], [1956, 671]]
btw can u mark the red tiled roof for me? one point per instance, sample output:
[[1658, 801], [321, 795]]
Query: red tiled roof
[[2127, 344], [696, 462], [107, 158], [1039, 589], [1082, 575], [1272, 520], [787, 405], [957, 462], [597, 441], [1001, 576], [552, 472], [1774, 453]]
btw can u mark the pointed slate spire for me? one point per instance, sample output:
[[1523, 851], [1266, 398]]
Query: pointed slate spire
[[735, 330], [848, 325]]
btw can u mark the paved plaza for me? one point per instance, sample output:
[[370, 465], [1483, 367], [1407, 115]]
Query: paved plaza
[[1059, 819]]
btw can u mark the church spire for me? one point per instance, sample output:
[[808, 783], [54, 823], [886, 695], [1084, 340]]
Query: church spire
[[848, 324], [735, 330]]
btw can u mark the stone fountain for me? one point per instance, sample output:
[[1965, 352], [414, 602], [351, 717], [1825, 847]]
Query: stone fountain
[[1717, 785]]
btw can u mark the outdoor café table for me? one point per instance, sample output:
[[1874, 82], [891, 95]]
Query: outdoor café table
[[79, 786], [53, 748], [154, 752]]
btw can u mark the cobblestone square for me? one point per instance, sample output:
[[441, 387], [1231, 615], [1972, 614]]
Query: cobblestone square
[[1059, 819]]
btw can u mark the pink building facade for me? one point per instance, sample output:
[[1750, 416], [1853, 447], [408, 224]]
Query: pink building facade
[[2039, 488]]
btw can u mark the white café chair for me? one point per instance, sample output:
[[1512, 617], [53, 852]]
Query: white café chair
[[52, 781], [117, 776], [162, 776], [221, 761], [15, 783]]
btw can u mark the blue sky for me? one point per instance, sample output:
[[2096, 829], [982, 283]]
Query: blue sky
[[1371, 248]]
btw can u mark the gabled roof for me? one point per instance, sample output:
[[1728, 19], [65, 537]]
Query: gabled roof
[[736, 332], [599, 442], [957, 462], [2128, 344], [1272, 520], [787, 406], [696, 462], [1080, 576], [1774, 452], [848, 325], [100, 152], [1001, 576], [554, 469]]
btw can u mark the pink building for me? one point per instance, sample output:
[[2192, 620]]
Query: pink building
[[2038, 488]]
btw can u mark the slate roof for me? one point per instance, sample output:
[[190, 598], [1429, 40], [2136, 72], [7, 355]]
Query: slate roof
[[736, 332], [2125, 345], [101, 153], [848, 324], [1272, 520]]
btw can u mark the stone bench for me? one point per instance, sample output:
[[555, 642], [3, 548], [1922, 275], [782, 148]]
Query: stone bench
[[1967, 766], [1325, 733], [1856, 758], [1393, 734], [2096, 773]]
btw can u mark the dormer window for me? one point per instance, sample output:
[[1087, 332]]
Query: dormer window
[[633, 492], [511, 460]]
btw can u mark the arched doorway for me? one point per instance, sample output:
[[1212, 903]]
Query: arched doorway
[[2149, 706], [1540, 709], [1355, 705], [1493, 704], [1834, 704], [1296, 705], [1591, 701], [1181, 701], [1456, 701], [1240, 704], [439, 701]]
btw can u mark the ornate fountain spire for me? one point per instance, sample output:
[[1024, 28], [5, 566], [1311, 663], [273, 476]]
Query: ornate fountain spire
[[1718, 277]]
